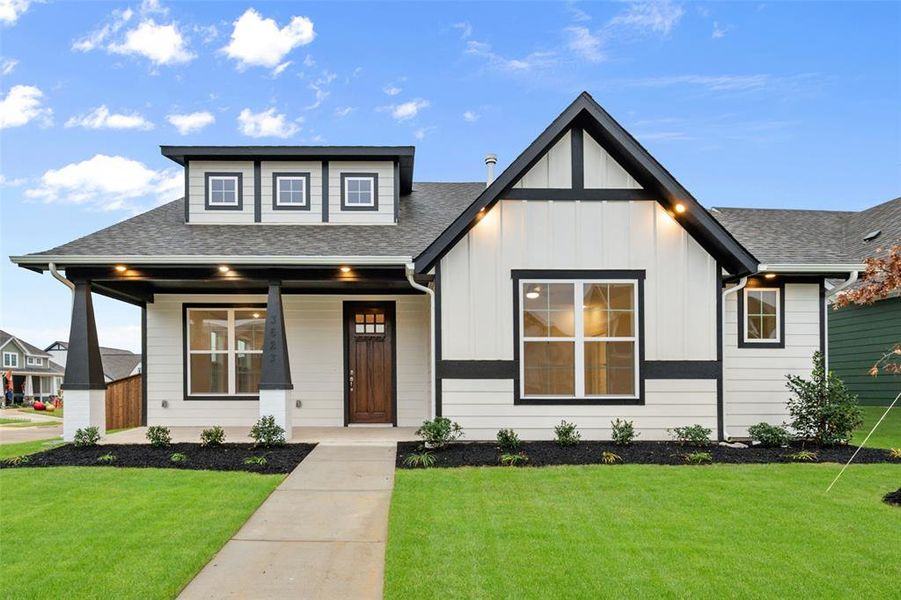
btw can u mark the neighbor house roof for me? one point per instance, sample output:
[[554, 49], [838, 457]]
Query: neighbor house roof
[[424, 214], [117, 365], [788, 236], [29, 348]]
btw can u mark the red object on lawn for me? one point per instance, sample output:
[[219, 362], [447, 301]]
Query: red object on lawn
[[38, 405]]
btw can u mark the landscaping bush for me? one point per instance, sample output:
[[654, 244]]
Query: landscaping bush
[[772, 436], [802, 456], [894, 453], [266, 432], [439, 432], [178, 457], [691, 435], [623, 432], [87, 437], [507, 440], [698, 458], [566, 434], [107, 458], [425, 459], [259, 461], [214, 436], [823, 410], [159, 436], [512, 459], [609, 458]]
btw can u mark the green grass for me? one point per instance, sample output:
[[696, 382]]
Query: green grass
[[889, 433], [117, 533], [19, 423], [644, 531], [20, 448], [4, 421]]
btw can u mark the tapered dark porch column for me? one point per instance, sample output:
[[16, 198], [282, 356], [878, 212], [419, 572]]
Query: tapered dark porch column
[[275, 375], [84, 387]]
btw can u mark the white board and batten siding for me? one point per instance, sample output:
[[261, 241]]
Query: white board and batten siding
[[268, 214], [754, 378], [197, 192], [681, 288], [314, 329], [385, 213]]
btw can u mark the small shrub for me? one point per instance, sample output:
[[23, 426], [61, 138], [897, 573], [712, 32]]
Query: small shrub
[[87, 437], [266, 432], [107, 459], [256, 460], [698, 458], [512, 459], [895, 453], [823, 410], [159, 436], [802, 456], [566, 434], [15, 461], [609, 458], [507, 440], [772, 436], [439, 432], [178, 457], [623, 432], [214, 436], [691, 435], [423, 458]]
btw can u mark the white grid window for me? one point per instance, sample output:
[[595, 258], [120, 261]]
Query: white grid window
[[223, 190], [225, 351], [34, 361], [359, 191], [11, 360], [763, 321], [578, 339], [292, 191]]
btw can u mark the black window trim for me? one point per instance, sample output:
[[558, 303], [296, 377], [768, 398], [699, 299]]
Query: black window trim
[[754, 284], [206, 190], [375, 192], [638, 275], [305, 175]]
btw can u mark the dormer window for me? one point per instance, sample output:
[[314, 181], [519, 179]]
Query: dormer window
[[223, 191], [359, 191], [291, 191], [34, 361]]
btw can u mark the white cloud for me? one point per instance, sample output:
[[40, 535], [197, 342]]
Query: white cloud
[[658, 16], [267, 123], [408, 110], [102, 118], [509, 65], [309, 62], [343, 112], [22, 105], [392, 90], [161, 44], [11, 10], [320, 89], [716, 83], [95, 39], [207, 33], [4, 182], [7, 66], [719, 31], [470, 116], [280, 68], [191, 122], [107, 183], [256, 41], [465, 29], [584, 43]]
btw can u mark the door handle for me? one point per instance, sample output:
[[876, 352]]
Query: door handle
[[351, 380]]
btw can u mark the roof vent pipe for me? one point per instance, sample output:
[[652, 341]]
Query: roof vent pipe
[[490, 161]]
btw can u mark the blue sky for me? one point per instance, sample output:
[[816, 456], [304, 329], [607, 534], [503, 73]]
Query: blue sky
[[747, 104]]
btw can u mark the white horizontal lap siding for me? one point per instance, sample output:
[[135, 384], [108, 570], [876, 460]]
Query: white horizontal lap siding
[[754, 378], [314, 330], [268, 214], [197, 171], [385, 213], [482, 407]]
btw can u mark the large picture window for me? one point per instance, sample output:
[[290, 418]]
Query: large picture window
[[225, 351], [578, 338], [762, 315]]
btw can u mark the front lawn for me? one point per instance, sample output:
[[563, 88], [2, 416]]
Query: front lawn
[[889, 433], [22, 448], [642, 531], [47, 413], [117, 533]]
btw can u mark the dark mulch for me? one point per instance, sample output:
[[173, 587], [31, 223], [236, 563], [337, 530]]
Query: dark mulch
[[228, 457], [486, 454], [893, 498]]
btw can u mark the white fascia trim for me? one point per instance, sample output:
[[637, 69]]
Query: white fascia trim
[[190, 259], [810, 268]]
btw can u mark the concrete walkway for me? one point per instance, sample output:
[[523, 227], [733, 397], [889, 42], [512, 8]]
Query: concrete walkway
[[49, 428], [321, 534]]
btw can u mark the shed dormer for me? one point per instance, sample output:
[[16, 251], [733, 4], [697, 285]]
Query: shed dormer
[[354, 185]]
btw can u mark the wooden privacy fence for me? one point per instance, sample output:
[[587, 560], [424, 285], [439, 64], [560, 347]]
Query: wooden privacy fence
[[123, 402]]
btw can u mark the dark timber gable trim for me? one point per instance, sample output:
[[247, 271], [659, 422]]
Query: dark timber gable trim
[[257, 192], [577, 150], [585, 114], [187, 197], [325, 186]]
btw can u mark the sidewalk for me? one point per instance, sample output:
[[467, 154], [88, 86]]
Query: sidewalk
[[321, 534], [11, 434]]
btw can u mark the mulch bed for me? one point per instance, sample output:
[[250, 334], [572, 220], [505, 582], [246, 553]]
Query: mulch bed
[[228, 457], [893, 498], [486, 454]]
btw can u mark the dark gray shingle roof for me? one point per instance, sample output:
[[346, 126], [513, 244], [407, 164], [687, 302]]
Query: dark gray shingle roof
[[117, 365], [31, 349], [424, 214], [813, 236]]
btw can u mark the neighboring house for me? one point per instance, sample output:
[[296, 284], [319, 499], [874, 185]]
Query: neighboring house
[[117, 363], [858, 335], [34, 374], [321, 285]]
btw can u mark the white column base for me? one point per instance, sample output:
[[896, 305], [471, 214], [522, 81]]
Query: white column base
[[277, 403], [83, 408]]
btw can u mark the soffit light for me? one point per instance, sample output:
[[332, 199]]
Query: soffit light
[[223, 268], [680, 208], [770, 276], [121, 268], [345, 269]]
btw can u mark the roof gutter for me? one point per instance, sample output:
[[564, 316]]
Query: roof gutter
[[809, 268], [52, 260]]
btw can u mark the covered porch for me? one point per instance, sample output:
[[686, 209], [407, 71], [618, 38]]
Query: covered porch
[[321, 348]]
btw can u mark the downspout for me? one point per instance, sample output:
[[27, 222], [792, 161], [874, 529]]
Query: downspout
[[741, 284], [60, 278], [410, 270], [852, 279]]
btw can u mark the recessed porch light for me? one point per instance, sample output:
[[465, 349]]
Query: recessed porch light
[[121, 268], [680, 208], [345, 269], [223, 268], [770, 276]]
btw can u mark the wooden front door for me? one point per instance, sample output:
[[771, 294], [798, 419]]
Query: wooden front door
[[369, 359]]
